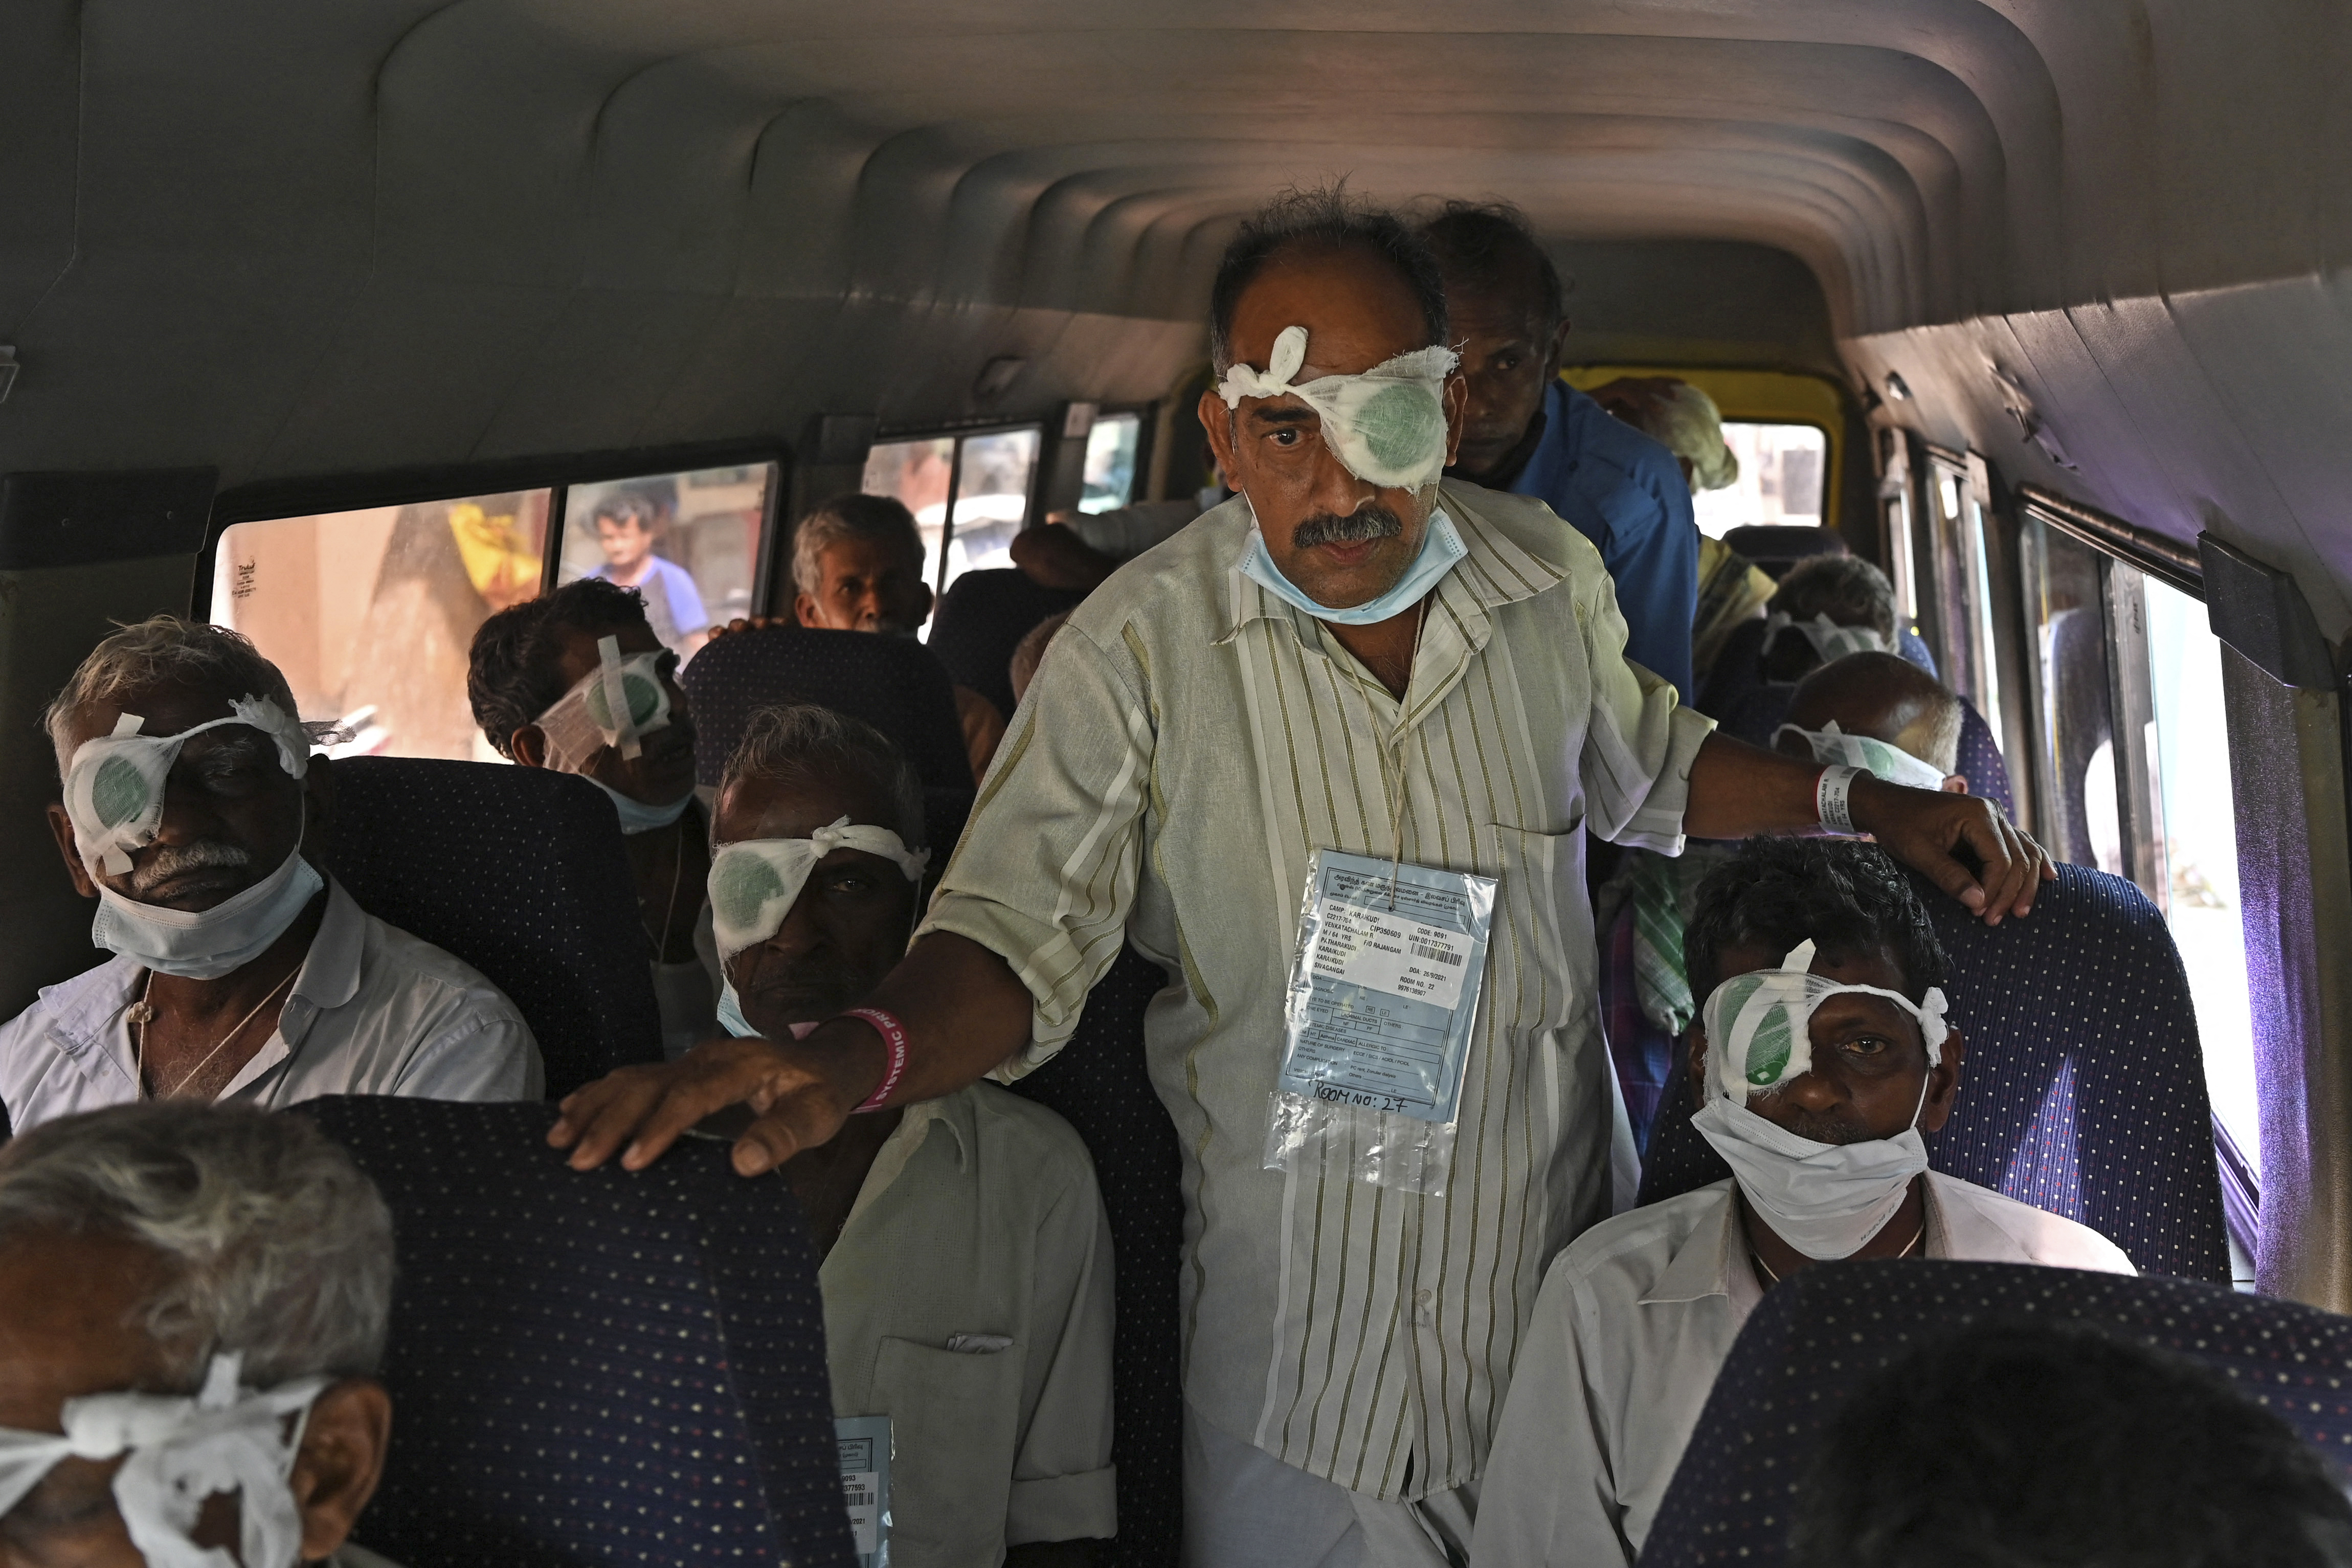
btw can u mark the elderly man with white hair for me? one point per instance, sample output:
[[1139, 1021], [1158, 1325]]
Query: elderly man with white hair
[[192, 810], [192, 1302]]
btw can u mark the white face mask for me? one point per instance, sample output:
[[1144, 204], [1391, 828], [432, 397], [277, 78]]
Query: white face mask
[[205, 944], [1830, 640], [637, 816], [114, 784], [755, 881], [182, 1451], [1830, 744], [1826, 1200], [1386, 425]]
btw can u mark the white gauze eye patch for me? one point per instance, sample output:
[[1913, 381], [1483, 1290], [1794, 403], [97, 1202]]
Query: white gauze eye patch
[[1759, 1024], [1892, 763], [754, 882], [182, 1451], [1831, 640], [622, 698], [114, 786], [1387, 425]]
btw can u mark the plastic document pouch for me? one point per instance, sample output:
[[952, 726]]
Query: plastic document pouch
[[1376, 1028], [864, 1442]]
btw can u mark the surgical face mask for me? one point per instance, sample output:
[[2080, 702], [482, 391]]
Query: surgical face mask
[[623, 699], [637, 816], [114, 784], [1442, 550], [1830, 640], [1830, 744], [180, 1452], [1826, 1200], [205, 944], [754, 882], [1387, 426]]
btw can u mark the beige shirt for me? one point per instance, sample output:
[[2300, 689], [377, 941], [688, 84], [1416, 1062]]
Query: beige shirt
[[374, 1011], [1634, 1322], [968, 1299], [1190, 740]]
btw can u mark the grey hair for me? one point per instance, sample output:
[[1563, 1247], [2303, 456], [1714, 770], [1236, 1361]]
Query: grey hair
[[882, 518], [799, 742], [1846, 588], [161, 648], [276, 1244]]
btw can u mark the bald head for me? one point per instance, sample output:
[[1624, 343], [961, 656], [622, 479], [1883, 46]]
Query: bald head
[[1886, 697]]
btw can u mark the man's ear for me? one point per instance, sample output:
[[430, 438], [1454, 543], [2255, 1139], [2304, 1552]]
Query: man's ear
[[1457, 407], [1560, 345], [61, 829], [1954, 784], [1697, 1044], [340, 1463], [528, 746], [1943, 1085], [805, 612], [1217, 424]]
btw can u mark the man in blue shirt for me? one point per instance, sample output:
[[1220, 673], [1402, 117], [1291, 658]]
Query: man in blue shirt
[[626, 524], [1529, 432]]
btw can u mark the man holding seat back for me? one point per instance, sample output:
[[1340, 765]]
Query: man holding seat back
[[191, 807], [1821, 1055], [967, 1262], [1354, 701], [194, 1301]]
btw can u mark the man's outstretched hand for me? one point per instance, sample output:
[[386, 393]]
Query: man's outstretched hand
[[1938, 835], [799, 1092]]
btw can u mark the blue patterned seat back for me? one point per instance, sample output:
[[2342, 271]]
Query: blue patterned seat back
[[984, 618], [1100, 1085], [521, 872], [603, 1367], [1980, 762], [892, 683], [2084, 1087], [1817, 1336]]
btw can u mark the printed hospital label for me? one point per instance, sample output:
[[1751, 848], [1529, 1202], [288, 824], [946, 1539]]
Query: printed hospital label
[[864, 1445], [1390, 953]]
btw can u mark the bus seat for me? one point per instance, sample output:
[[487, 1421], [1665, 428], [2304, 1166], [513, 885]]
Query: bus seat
[[592, 1367], [1776, 547], [1738, 672], [1815, 1338], [984, 618], [1980, 762], [1098, 1083], [521, 872], [892, 683], [2083, 1091]]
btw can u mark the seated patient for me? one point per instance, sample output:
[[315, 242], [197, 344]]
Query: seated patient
[[1880, 698], [967, 1272], [1819, 1118], [537, 685], [2043, 1443], [193, 1301], [194, 812], [1826, 607]]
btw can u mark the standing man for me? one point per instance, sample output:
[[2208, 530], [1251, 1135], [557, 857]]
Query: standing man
[[627, 522], [1526, 431], [1349, 664]]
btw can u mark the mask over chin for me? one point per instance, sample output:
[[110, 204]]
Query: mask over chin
[[1826, 1200], [1442, 550]]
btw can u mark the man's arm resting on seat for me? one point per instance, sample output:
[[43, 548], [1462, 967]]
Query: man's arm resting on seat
[[1736, 790], [964, 1012]]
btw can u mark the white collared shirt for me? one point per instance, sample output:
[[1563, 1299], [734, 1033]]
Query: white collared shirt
[[1634, 1320], [968, 1299], [374, 1011], [1188, 743]]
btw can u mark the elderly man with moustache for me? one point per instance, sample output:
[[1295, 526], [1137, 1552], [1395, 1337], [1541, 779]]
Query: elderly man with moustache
[[1414, 693]]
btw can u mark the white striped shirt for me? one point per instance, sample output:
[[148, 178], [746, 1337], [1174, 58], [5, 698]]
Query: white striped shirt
[[1188, 743]]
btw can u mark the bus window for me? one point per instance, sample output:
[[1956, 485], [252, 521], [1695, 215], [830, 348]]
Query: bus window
[[1967, 659], [371, 614], [987, 479], [919, 475], [688, 541], [2067, 610], [1783, 477], [1110, 462]]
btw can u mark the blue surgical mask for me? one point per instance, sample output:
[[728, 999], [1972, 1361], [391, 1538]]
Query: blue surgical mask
[[730, 1014], [637, 816], [1442, 550]]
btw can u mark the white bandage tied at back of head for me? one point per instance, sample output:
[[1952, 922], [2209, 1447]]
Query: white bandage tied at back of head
[[1386, 425], [181, 1451], [1891, 762], [1831, 640], [754, 882], [1759, 1026], [114, 784], [622, 698]]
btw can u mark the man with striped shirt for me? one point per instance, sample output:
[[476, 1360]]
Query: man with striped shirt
[[1192, 738]]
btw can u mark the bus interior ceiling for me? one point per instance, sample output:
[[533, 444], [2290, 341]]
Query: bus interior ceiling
[[2102, 245]]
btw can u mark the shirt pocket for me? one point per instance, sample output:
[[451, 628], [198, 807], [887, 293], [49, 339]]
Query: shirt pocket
[[1542, 971], [955, 1424]]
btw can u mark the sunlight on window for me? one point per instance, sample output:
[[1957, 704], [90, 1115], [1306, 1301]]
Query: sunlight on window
[[1783, 475]]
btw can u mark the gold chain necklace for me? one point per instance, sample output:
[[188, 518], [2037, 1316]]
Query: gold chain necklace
[[1772, 1279], [143, 1012]]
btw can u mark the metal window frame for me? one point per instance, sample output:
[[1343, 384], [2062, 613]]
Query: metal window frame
[[960, 434]]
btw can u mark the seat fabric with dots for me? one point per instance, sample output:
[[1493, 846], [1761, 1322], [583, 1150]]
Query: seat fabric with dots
[[604, 1367], [2083, 1087], [1817, 1336], [519, 872], [892, 683], [984, 618]]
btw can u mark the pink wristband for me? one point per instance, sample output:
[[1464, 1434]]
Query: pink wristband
[[894, 1034]]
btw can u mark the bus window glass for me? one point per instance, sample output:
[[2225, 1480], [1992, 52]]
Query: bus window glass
[[994, 475], [2199, 827], [1783, 475], [688, 541], [2080, 819], [1979, 560], [918, 475], [371, 614], [1110, 462]]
